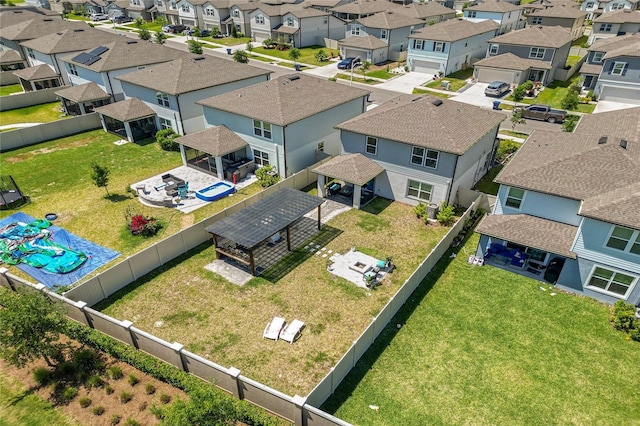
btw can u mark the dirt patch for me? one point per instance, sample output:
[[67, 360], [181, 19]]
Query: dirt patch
[[186, 221]]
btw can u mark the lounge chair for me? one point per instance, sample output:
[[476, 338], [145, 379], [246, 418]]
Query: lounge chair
[[292, 331], [273, 329]]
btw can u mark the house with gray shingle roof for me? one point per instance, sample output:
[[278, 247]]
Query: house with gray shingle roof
[[12, 35], [550, 45], [38, 78], [595, 8], [288, 122], [10, 60], [449, 46], [567, 209], [362, 8], [428, 147], [616, 23], [508, 16], [567, 17], [430, 12]]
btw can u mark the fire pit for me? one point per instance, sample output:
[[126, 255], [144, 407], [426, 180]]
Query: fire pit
[[359, 267]]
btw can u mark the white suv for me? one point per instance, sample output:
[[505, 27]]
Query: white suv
[[99, 17]]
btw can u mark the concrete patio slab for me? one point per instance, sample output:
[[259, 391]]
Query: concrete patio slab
[[343, 266]]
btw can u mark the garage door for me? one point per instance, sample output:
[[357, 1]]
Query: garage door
[[353, 53], [488, 75], [260, 36], [425, 67], [619, 94]]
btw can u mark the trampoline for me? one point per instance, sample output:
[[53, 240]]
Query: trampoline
[[10, 194]]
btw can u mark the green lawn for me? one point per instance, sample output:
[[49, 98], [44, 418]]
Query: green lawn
[[10, 89], [227, 41], [430, 92], [383, 74], [486, 184], [43, 113], [260, 58], [357, 78], [514, 134], [307, 54], [482, 346], [572, 60], [554, 94], [579, 41], [457, 79], [151, 26]]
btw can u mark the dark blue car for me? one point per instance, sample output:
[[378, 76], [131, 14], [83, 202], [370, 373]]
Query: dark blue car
[[348, 63]]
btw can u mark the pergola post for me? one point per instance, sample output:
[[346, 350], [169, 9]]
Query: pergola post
[[288, 238], [252, 261], [215, 240], [319, 222]]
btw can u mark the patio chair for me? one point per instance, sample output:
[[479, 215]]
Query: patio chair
[[273, 329], [292, 331], [183, 190]]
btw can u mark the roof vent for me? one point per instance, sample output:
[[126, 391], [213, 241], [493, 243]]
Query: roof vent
[[623, 143], [132, 42], [47, 20], [59, 33], [293, 77], [77, 30], [602, 140], [199, 58], [437, 102]]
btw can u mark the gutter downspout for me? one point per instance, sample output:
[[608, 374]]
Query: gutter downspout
[[284, 147], [181, 126], [455, 169], [113, 95]]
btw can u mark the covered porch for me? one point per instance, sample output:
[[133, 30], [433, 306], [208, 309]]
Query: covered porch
[[38, 78], [284, 33], [10, 60], [130, 119], [83, 99], [351, 176]]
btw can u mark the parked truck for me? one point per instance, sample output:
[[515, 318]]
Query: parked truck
[[542, 112]]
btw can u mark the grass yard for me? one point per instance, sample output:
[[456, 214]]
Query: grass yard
[[383, 74], [307, 54], [580, 41], [224, 322], [260, 58], [457, 79], [483, 346], [227, 41], [572, 60], [44, 113], [554, 94], [357, 78], [514, 134], [430, 92], [10, 89], [486, 184]]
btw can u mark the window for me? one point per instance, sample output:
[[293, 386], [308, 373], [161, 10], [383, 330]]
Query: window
[[424, 157], [173, 6], [611, 281], [419, 44], [320, 146], [538, 255], [372, 145], [260, 128], [185, 8], [438, 46], [163, 99], [73, 70], [261, 158], [536, 53], [597, 57], [618, 68], [165, 123], [617, 6], [472, 14], [209, 11], [624, 239], [384, 34], [135, 2], [536, 20], [589, 5], [159, 3], [30, 53], [605, 27], [355, 30], [259, 19], [236, 13], [514, 198], [289, 22], [493, 49], [420, 190], [325, 19]]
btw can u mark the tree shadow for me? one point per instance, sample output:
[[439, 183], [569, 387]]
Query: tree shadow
[[117, 198], [377, 205]]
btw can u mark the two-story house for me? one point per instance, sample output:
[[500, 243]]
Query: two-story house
[[240, 17], [595, 8], [168, 9], [616, 23], [570, 18], [287, 122], [380, 37], [619, 79], [362, 8], [430, 12], [190, 12], [565, 214], [428, 147], [216, 14], [543, 49], [11, 36], [449, 46], [506, 15]]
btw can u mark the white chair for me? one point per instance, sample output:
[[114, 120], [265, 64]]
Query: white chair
[[273, 329], [292, 331]]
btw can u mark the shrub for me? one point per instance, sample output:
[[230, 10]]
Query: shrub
[[266, 176], [267, 43], [98, 411], [84, 402], [528, 85], [95, 381], [132, 422], [164, 398], [125, 397], [240, 56], [87, 360], [420, 210], [506, 148], [144, 34], [623, 316], [166, 140], [635, 334], [42, 376], [571, 100], [195, 47], [108, 389], [115, 419], [149, 389], [65, 369], [519, 92], [115, 372], [69, 393], [157, 412], [140, 225], [446, 215], [570, 123], [133, 380], [321, 55]]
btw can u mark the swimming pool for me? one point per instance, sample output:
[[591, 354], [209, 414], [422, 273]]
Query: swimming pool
[[216, 191]]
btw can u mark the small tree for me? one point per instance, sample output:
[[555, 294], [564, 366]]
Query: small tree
[[519, 92], [516, 118], [195, 47], [249, 46], [161, 20], [321, 55], [234, 32], [364, 67], [197, 32], [144, 34], [166, 140], [268, 43], [215, 31], [139, 23], [159, 37], [267, 176], [100, 176], [446, 216], [240, 56], [30, 327], [294, 54], [571, 100]]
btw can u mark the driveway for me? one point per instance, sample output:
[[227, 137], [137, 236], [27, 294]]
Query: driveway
[[474, 95], [326, 71], [605, 106], [406, 82]]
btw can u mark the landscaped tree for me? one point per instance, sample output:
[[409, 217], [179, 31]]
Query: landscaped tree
[[572, 98], [100, 176], [144, 34], [249, 46], [516, 118], [215, 31], [139, 23], [234, 31], [267, 43], [321, 55], [30, 327], [364, 67], [240, 56], [267, 176], [197, 32], [166, 140], [159, 37], [294, 54], [195, 47]]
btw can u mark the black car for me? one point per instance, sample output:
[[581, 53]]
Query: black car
[[348, 63], [174, 29], [122, 19], [203, 33]]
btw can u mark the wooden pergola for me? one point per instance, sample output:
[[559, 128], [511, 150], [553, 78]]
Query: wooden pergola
[[237, 236]]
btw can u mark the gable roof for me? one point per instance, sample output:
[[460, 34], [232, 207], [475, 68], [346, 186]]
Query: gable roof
[[425, 10], [389, 20], [511, 61], [426, 121], [365, 42], [126, 110], [353, 168], [495, 6], [216, 141], [622, 16], [70, 40], [285, 100], [454, 29], [560, 12], [39, 72], [536, 35], [613, 43], [306, 12], [83, 93], [34, 28], [11, 16], [322, 3], [190, 74], [366, 7]]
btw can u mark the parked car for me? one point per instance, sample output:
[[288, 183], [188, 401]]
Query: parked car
[[203, 33], [122, 19], [348, 63], [497, 88], [99, 17], [542, 112], [174, 29]]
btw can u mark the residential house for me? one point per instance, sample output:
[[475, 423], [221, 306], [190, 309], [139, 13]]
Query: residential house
[[190, 13], [616, 23], [538, 5], [506, 15], [548, 47], [12, 35], [566, 211], [38, 78], [240, 17], [16, 14], [168, 9], [619, 79], [428, 147], [84, 6], [10, 60], [287, 122], [362, 8], [172, 89], [387, 32], [430, 12], [595, 8], [134, 9], [325, 5], [449, 46], [567, 17], [216, 14]]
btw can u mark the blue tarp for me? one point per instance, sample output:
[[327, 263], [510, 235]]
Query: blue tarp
[[96, 255]]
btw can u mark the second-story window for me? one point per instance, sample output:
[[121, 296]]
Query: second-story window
[[30, 53], [471, 14], [514, 198], [619, 68], [209, 11], [325, 19], [438, 46], [262, 129], [173, 6], [289, 22], [355, 30], [424, 157], [186, 8], [372, 145], [597, 57], [72, 69], [605, 28], [236, 13], [589, 5], [419, 44], [536, 20], [163, 99], [624, 239], [536, 52], [260, 19], [617, 6], [384, 34], [493, 49]]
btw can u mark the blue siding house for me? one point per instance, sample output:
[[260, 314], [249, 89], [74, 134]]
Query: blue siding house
[[567, 209]]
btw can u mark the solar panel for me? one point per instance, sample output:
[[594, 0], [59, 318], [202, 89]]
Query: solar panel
[[92, 59], [98, 51], [81, 58]]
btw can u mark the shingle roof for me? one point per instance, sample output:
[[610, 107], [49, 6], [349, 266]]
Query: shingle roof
[[530, 231], [127, 110], [39, 72], [363, 42], [352, 168], [624, 123], [619, 17], [70, 40], [366, 7], [590, 68], [322, 3], [216, 141], [512, 62], [619, 206], [537, 35], [495, 6], [191, 74], [14, 15], [129, 53], [560, 12], [10, 56], [416, 120], [286, 99], [612, 43], [281, 28], [83, 93], [34, 28], [425, 10], [454, 29], [306, 12], [633, 49], [389, 20]]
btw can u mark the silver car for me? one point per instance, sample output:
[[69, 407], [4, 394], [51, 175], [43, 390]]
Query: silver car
[[497, 88]]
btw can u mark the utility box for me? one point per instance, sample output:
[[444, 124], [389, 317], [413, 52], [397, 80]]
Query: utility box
[[445, 85], [432, 210]]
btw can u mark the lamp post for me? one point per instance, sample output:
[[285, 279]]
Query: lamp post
[[353, 64]]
